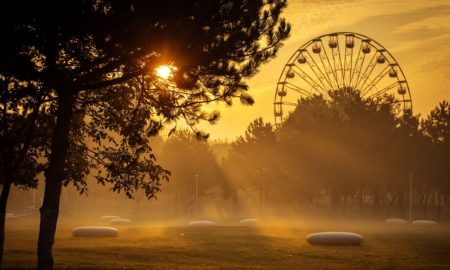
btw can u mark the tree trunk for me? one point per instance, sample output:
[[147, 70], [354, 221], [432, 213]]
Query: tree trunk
[[260, 199], [136, 211], [53, 180], [234, 199], [401, 203], [3, 202], [361, 199], [425, 204], [335, 200], [266, 195], [440, 202], [175, 208], [375, 202]]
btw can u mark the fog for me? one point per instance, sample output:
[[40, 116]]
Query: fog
[[357, 161]]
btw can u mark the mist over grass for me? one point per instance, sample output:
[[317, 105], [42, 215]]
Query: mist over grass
[[330, 167], [278, 244]]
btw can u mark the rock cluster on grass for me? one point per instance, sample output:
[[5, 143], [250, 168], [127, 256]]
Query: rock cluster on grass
[[421, 222]]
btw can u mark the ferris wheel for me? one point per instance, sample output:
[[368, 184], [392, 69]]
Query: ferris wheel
[[339, 61]]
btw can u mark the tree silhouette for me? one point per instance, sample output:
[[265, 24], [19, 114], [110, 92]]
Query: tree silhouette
[[436, 127], [22, 138], [256, 149], [341, 151], [186, 156], [107, 140], [76, 48], [342, 143]]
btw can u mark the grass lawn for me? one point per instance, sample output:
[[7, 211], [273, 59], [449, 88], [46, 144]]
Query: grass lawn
[[228, 247]]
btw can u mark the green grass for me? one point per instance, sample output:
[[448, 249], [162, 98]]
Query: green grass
[[157, 247]]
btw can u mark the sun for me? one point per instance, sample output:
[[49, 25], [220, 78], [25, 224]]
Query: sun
[[165, 72]]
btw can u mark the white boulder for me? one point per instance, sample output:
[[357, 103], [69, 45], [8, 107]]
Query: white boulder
[[202, 223], [334, 238], [424, 222], [30, 210], [95, 231], [120, 221], [249, 222], [108, 218], [396, 221], [10, 216]]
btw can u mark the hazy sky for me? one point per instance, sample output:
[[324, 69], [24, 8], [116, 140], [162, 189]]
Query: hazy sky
[[416, 32]]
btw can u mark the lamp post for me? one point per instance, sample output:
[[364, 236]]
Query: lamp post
[[196, 193], [410, 196], [410, 165]]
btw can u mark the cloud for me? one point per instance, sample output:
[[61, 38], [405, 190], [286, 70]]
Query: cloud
[[437, 23]]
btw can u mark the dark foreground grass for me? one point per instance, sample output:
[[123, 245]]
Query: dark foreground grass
[[157, 247]]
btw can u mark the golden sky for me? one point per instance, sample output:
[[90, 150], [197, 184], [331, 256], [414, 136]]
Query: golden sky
[[416, 32]]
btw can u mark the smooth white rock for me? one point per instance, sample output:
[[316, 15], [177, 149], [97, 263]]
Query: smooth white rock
[[10, 216], [249, 222], [95, 231], [30, 210], [424, 222], [396, 221], [120, 221], [108, 218], [334, 238], [202, 223]]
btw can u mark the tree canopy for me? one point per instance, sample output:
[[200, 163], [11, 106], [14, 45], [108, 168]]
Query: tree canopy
[[346, 150], [190, 160], [83, 56]]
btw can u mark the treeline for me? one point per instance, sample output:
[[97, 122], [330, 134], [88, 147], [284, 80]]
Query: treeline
[[341, 153], [344, 152], [338, 154]]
